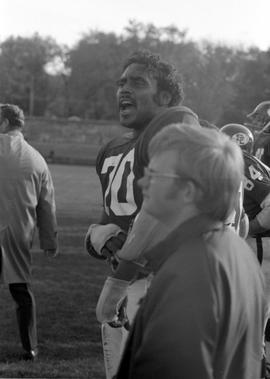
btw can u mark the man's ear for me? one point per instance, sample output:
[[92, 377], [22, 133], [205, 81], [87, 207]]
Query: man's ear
[[164, 98], [190, 192]]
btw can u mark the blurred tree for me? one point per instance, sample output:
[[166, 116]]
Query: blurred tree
[[221, 83], [23, 79], [94, 66], [251, 83]]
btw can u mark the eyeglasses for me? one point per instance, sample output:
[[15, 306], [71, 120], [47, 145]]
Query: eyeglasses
[[150, 173]]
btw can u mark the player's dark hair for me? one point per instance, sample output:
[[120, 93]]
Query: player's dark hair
[[168, 79], [13, 114]]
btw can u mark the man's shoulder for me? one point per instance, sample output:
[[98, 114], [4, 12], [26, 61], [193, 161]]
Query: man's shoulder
[[255, 169], [175, 114], [230, 253], [117, 146], [35, 159], [251, 159], [120, 141]]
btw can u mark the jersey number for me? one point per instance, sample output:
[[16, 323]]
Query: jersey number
[[254, 175], [119, 194]]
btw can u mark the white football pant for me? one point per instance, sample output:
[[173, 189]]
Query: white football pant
[[114, 339]]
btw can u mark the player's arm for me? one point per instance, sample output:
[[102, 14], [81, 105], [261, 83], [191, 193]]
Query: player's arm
[[261, 222], [145, 233], [262, 137]]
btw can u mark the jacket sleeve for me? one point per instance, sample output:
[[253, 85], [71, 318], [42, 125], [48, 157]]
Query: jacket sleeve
[[46, 213]]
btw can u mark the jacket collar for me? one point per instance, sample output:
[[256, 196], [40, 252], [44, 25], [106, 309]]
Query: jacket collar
[[15, 133], [190, 229]]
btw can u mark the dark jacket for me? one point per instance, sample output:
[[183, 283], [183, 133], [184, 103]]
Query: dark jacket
[[203, 314]]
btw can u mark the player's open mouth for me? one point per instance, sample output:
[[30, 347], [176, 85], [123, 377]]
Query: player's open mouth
[[126, 106]]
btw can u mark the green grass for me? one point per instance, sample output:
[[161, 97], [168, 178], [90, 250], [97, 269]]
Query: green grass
[[66, 291], [79, 153]]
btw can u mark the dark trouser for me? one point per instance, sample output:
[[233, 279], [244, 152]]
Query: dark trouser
[[26, 314]]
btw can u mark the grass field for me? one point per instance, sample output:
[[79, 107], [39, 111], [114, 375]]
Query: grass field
[[66, 291]]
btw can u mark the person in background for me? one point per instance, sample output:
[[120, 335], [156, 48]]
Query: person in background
[[256, 183], [256, 197], [203, 314], [259, 123], [26, 200], [147, 88]]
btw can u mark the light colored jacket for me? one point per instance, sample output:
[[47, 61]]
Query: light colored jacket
[[26, 200]]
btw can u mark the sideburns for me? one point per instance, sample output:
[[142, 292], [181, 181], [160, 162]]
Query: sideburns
[[156, 99]]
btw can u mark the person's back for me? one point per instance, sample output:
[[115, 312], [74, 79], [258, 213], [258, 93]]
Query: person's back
[[22, 171], [232, 262], [26, 201]]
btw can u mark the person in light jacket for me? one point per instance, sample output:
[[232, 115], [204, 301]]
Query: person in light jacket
[[26, 201]]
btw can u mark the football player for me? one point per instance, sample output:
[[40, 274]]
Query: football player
[[148, 87], [259, 123], [256, 190], [256, 181], [145, 233]]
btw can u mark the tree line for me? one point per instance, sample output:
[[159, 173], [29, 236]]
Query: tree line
[[221, 83]]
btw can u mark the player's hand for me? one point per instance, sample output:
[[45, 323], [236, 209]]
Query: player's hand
[[121, 320], [114, 244], [51, 253], [111, 247], [98, 236]]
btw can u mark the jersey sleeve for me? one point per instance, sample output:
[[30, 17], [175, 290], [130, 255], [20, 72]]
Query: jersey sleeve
[[100, 158]]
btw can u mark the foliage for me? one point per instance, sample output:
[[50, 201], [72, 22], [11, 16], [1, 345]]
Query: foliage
[[23, 79], [222, 83]]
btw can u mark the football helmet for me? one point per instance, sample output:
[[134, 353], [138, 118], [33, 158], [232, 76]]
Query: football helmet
[[241, 135], [260, 116]]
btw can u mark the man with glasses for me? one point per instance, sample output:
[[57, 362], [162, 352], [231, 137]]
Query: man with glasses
[[203, 314]]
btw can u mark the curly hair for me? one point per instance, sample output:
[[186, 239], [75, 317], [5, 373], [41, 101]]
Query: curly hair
[[168, 79]]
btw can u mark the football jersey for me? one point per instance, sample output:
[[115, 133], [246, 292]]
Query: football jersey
[[256, 184], [121, 162]]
